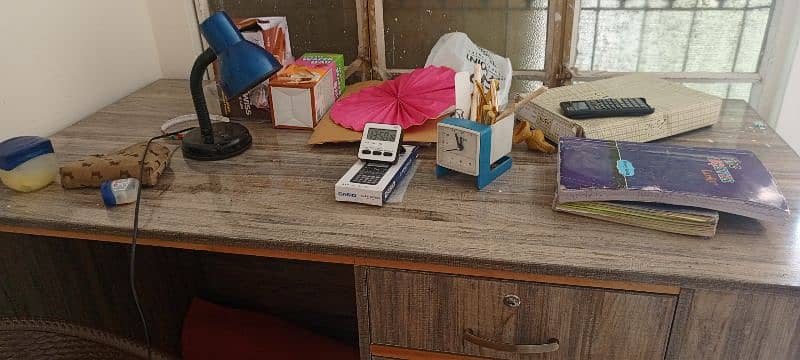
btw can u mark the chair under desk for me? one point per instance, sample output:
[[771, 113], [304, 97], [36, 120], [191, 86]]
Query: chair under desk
[[451, 272]]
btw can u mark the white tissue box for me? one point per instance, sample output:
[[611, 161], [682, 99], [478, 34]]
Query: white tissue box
[[301, 105]]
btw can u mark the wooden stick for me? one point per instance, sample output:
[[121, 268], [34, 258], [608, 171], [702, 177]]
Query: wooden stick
[[479, 100], [483, 98], [473, 109], [494, 85], [477, 73], [513, 108], [491, 117], [488, 114]]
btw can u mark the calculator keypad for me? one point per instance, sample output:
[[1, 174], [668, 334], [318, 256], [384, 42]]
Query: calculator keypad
[[370, 174]]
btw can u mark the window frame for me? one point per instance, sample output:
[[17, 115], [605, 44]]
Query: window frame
[[561, 51], [768, 81], [560, 17]]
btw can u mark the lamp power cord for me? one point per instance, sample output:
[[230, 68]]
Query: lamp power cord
[[135, 237]]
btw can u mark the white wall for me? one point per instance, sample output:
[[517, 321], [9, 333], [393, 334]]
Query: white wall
[[177, 36], [786, 117], [788, 126], [63, 60]]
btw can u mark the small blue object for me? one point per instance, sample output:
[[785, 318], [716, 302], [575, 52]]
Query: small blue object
[[242, 64], [625, 168], [16, 151], [487, 171], [107, 194]]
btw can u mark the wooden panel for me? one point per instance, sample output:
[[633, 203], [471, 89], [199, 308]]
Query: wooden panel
[[396, 353], [362, 310], [509, 275], [430, 312], [355, 260], [364, 60], [241, 204], [87, 283], [377, 43], [318, 296], [739, 325], [560, 32], [679, 322]]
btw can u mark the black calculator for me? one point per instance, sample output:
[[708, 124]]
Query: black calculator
[[600, 108], [371, 173]]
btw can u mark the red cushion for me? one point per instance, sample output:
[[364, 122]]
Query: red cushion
[[211, 331]]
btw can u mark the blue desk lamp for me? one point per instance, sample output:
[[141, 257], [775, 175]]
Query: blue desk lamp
[[242, 65]]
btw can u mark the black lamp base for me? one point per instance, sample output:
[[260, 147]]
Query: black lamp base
[[230, 139]]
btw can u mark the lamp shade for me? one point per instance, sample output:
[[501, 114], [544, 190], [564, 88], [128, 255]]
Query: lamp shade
[[242, 64]]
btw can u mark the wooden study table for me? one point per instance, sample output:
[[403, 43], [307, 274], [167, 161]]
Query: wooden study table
[[450, 261]]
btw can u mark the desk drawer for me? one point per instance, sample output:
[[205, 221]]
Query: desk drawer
[[454, 314]]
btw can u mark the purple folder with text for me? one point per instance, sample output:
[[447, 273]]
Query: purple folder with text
[[727, 180]]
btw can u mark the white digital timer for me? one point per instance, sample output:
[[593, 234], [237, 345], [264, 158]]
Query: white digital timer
[[380, 142]]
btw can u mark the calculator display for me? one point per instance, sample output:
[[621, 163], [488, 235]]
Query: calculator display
[[381, 134]]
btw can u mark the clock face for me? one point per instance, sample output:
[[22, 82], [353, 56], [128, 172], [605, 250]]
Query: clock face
[[457, 149]]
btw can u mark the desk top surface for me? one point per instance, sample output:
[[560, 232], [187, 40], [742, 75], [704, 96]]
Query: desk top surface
[[279, 195]]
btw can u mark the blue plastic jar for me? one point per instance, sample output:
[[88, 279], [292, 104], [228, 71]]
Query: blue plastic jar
[[118, 192], [27, 163]]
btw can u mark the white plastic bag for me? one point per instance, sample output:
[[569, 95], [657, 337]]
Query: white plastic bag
[[456, 51]]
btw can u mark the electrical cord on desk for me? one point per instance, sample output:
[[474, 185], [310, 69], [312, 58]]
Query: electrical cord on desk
[[132, 264]]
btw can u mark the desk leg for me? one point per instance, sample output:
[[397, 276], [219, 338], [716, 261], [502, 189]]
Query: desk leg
[[362, 311]]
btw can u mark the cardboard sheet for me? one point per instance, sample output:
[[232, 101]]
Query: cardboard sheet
[[328, 131]]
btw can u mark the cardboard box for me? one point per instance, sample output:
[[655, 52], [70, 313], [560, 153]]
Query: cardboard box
[[376, 194], [300, 95], [245, 106], [328, 58], [271, 33], [328, 132]]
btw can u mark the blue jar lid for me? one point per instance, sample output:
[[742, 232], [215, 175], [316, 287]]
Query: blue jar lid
[[107, 194], [16, 151]]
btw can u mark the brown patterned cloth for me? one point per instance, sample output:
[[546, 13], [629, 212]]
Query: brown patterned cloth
[[92, 171]]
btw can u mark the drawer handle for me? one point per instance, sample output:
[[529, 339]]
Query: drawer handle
[[550, 346]]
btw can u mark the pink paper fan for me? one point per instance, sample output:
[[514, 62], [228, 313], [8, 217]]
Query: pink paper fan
[[408, 100]]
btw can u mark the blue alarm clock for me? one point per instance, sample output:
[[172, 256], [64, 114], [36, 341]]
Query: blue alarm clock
[[475, 149]]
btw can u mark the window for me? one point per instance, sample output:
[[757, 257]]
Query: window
[[516, 29], [674, 36], [711, 45], [329, 26]]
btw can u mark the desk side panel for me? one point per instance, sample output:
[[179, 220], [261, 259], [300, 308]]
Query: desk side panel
[[740, 325]]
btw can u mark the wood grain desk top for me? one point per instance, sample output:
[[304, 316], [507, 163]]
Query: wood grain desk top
[[277, 200]]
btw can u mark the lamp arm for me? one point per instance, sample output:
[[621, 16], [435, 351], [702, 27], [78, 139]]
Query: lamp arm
[[196, 87]]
